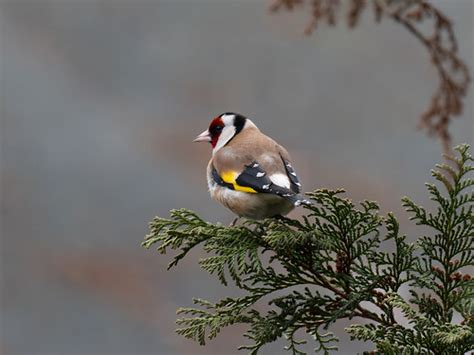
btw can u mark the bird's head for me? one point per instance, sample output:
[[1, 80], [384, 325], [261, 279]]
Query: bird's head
[[223, 128]]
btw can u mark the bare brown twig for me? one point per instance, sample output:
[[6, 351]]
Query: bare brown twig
[[440, 41]]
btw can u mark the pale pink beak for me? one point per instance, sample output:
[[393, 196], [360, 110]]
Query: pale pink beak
[[203, 137]]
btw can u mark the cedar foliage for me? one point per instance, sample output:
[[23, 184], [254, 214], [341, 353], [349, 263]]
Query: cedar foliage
[[334, 264]]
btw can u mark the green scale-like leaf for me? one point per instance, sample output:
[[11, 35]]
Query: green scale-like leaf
[[301, 276]]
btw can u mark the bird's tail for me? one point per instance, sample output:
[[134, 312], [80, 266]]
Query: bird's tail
[[299, 200], [295, 198]]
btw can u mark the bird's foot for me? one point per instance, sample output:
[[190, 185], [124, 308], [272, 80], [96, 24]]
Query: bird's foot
[[279, 217], [234, 222]]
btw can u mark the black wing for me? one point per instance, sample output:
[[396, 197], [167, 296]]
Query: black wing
[[254, 177], [290, 172]]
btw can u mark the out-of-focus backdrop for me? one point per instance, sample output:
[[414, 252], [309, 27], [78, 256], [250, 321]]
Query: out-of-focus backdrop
[[100, 101]]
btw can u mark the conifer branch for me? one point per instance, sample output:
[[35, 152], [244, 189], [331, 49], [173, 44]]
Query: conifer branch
[[334, 263]]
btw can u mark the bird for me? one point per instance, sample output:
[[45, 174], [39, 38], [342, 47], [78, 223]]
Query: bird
[[249, 173]]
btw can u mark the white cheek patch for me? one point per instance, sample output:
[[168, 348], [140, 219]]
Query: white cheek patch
[[228, 119], [227, 133], [280, 180]]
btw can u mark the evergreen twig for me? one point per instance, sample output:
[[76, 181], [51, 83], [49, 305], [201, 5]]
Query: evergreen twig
[[332, 264]]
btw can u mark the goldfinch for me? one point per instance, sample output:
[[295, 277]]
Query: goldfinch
[[249, 173]]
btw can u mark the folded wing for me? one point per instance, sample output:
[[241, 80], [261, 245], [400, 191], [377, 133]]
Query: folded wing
[[254, 179]]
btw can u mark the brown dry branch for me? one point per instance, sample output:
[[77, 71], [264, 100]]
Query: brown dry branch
[[416, 16]]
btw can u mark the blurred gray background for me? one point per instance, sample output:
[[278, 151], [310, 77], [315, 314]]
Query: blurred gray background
[[99, 103]]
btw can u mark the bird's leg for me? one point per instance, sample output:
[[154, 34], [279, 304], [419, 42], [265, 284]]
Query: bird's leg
[[234, 222]]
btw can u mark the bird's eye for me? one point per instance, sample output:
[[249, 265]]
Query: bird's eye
[[219, 128]]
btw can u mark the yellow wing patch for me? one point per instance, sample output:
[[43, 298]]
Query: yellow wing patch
[[230, 177]]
